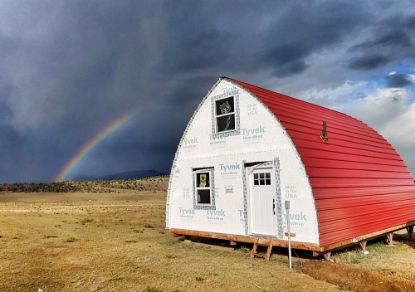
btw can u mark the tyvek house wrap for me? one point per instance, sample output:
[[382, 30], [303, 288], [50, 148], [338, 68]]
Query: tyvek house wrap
[[259, 137]]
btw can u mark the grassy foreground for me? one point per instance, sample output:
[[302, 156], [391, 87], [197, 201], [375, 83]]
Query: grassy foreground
[[80, 241]]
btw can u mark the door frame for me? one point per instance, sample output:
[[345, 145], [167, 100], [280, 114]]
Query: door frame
[[267, 166], [275, 163]]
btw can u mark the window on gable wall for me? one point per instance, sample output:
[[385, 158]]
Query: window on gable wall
[[225, 114], [204, 190]]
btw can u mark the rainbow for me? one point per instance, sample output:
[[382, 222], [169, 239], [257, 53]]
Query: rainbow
[[90, 144]]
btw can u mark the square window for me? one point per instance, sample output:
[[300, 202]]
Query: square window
[[225, 106], [203, 196], [203, 180], [225, 123], [268, 178]]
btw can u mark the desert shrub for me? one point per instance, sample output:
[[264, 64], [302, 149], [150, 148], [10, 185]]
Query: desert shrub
[[151, 289], [70, 239], [115, 276], [86, 220], [245, 249]]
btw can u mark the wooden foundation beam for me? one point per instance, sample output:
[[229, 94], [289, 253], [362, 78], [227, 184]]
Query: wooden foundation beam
[[261, 241], [410, 230], [254, 249], [389, 238], [362, 245], [327, 256]]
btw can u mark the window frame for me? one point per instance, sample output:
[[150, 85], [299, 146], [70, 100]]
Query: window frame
[[211, 188], [233, 113], [234, 92]]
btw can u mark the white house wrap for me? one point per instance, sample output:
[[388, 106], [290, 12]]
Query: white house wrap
[[234, 168]]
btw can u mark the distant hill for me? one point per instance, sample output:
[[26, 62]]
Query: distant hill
[[152, 183], [134, 174]]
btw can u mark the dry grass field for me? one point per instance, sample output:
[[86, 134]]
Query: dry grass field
[[116, 241]]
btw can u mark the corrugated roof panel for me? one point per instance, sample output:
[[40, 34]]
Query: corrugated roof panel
[[330, 217], [354, 173], [330, 193], [367, 199], [324, 154], [351, 142], [332, 147], [332, 163], [360, 183], [306, 128]]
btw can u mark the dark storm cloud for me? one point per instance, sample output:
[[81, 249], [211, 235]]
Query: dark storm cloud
[[5, 112], [398, 80], [395, 39], [291, 68], [14, 154], [278, 38], [287, 60], [369, 61], [302, 31], [401, 20], [69, 68], [387, 47]]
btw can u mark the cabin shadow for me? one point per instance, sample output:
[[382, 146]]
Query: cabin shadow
[[220, 244], [226, 245], [403, 238]]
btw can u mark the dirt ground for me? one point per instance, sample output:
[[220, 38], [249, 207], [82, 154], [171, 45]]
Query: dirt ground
[[117, 242]]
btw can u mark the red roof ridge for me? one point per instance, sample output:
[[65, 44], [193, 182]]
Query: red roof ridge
[[285, 95], [300, 100]]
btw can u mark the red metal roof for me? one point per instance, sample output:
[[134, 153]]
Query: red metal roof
[[360, 183]]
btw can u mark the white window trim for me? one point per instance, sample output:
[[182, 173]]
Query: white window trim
[[224, 115], [215, 134], [202, 206]]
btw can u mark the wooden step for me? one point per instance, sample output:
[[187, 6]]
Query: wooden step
[[255, 253]]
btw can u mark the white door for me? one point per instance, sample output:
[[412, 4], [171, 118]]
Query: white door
[[262, 192]]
